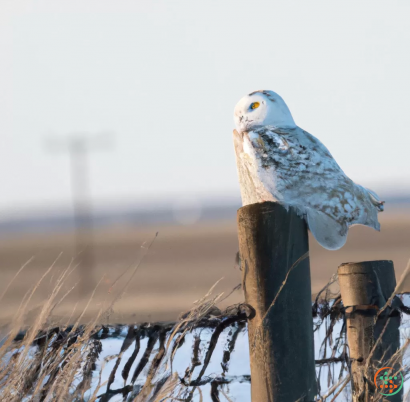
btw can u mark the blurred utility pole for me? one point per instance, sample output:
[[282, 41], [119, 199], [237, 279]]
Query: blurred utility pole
[[78, 146]]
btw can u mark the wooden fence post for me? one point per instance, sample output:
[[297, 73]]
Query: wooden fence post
[[277, 285], [365, 288]]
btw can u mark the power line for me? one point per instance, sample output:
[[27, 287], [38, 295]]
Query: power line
[[79, 146]]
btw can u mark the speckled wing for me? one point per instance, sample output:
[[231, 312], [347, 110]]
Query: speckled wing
[[294, 168]]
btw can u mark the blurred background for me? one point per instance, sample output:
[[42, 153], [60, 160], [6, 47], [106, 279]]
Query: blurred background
[[116, 123]]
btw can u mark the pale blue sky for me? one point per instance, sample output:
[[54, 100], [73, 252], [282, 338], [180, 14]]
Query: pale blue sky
[[165, 77]]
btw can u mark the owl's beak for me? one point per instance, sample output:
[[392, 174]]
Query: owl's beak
[[244, 123], [239, 122]]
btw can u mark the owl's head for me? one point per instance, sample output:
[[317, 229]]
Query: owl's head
[[262, 108]]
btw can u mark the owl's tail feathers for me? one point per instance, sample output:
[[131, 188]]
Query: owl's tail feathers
[[329, 233], [374, 198]]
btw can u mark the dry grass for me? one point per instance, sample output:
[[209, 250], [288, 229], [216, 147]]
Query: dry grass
[[49, 363], [44, 364], [184, 263]]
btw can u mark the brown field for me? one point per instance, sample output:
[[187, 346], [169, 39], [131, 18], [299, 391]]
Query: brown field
[[181, 266]]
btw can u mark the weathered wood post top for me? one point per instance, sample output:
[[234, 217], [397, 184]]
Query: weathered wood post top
[[372, 328], [273, 244]]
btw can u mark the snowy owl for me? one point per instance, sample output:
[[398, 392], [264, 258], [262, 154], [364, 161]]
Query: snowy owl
[[278, 161]]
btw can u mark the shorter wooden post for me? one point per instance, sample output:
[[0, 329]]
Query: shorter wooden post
[[365, 288], [277, 285]]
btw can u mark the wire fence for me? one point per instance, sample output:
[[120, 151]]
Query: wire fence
[[201, 357]]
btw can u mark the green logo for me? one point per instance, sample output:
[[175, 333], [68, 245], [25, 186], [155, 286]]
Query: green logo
[[387, 382]]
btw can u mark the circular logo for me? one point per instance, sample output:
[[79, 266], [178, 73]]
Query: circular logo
[[388, 382]]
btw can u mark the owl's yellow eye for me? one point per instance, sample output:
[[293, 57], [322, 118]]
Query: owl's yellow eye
[[255, 105]]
